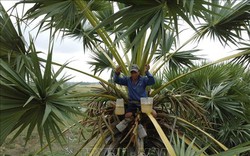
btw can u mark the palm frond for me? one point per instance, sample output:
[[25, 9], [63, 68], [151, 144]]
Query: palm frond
[[244, 59], [197, 69], [66, 15], [11, 39], [233, 133], [203, 132], [136, 18], [221, 90], [228, 24], [102, 60], [37, 102], [240, 149], [12, 43], [84, 32], [182, 150], [183, 59]]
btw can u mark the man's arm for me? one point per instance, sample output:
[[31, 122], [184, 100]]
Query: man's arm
[[118, 79], [150, 79]]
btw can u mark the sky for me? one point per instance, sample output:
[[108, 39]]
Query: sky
[[69, 49], [64, 50]]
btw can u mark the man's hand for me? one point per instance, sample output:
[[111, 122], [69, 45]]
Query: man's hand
[[147, 67], [118, 70]]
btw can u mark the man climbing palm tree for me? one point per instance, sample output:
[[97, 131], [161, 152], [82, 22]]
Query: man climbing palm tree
[[136, 88]]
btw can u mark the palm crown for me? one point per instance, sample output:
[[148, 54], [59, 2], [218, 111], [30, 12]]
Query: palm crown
[[189, 98]]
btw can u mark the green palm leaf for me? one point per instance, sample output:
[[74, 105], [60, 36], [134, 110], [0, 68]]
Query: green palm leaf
[[223, 90], [240, 149], [102, 60], [244, 59], [229, 22], [181, 76], [182, 59], [36, 102], [182, 150], [12, 43]]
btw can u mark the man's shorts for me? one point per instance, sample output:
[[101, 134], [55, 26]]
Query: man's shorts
[[134, 108]]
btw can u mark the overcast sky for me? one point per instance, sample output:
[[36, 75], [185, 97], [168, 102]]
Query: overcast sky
[[70, 49]]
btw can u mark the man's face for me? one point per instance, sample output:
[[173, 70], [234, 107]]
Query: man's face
[[134, 75]]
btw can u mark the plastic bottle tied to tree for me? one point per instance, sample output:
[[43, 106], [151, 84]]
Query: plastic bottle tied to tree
[[119, 108], [146, 104], [141, 131], [123, 124]]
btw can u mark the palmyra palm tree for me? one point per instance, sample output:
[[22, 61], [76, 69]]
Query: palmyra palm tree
[[126, 32]]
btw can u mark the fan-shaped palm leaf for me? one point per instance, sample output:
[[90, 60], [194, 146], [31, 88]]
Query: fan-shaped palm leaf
[[222, 90], [39, 101], [182, 59], [101, 61], [182, 150], [62, 14], [181, 76], [229, 22], [69, 14], [244, 59], [12, 43]]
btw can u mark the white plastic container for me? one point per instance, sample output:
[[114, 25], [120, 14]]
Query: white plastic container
[[123, 124], [119, 107], [141, 131], [146, 104]]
